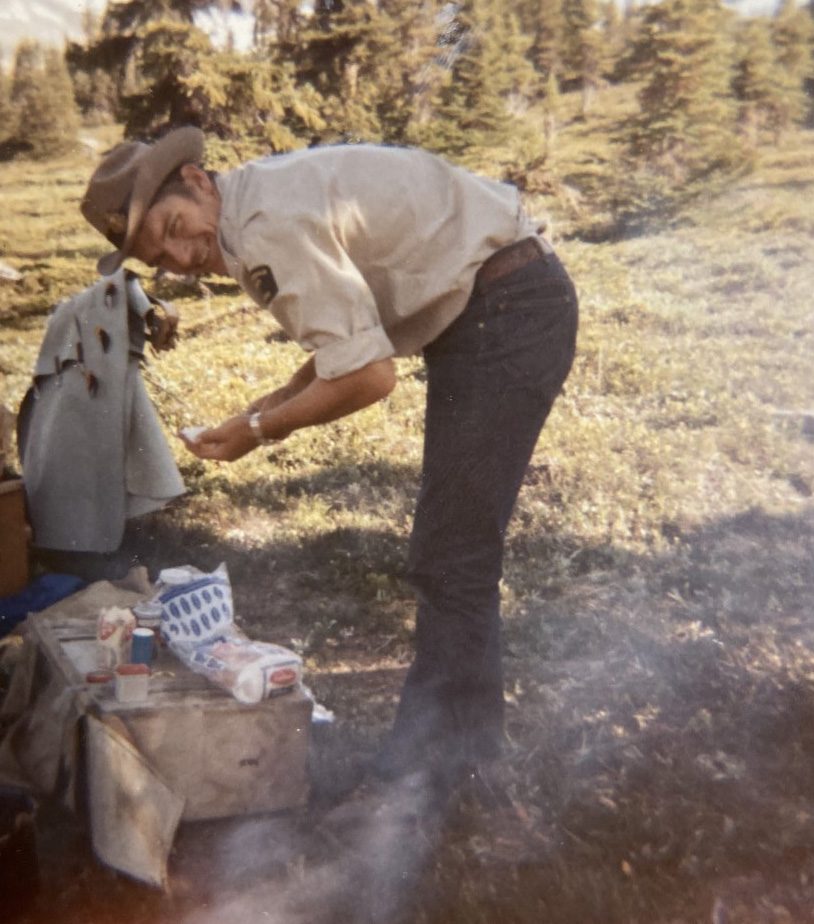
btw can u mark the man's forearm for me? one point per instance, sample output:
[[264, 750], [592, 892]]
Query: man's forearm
[[321, 401], [301, 379], [317, 402]]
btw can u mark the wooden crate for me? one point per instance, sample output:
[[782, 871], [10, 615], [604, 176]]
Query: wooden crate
[[13, 538], [223, 757]]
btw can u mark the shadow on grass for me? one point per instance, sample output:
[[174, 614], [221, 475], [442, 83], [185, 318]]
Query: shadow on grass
[[330, 482], [665, 737], [12, 148], [310, 586], [661, 771], [662, 726]]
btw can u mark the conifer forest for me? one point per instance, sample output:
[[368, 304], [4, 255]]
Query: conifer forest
[[481, 81]]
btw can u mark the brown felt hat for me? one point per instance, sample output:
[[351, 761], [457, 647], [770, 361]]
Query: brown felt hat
[[124, 185]]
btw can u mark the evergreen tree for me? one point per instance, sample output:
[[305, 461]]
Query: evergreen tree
[[96, 96], [59, 129], [23, 95], [130, 15], [113, 46], [583, 47], [345, 52], [472, 120], [250, 101], [687, 113], [46, 116], [614, 38], [95, 90], [630, 63], [6, 111], [27, 66], [544, 21], [551, 108], [276, 20], [793, 35], [378, 67], [686, 131], [760, 84], [412, 70], [518, 79]]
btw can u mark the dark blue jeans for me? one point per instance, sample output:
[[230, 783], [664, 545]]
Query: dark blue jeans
[[493, 376]]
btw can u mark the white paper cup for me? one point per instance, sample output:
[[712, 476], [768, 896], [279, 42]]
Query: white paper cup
[[132, 683]]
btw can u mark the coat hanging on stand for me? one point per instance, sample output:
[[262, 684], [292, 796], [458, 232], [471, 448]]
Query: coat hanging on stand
[[92, 449]]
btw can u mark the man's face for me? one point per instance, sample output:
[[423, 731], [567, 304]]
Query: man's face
[[180, 233]]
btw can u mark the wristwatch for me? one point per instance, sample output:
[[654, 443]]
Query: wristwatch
[[254, 423]]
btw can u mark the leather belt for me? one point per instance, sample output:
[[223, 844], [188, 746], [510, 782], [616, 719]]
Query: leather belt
[[508, 259]]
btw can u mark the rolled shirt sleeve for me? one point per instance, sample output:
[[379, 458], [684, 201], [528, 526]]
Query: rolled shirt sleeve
[[320, 298], [343, 356], [362, 252]]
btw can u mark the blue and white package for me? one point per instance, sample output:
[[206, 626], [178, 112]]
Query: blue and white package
[[195, 607], [197, 622]]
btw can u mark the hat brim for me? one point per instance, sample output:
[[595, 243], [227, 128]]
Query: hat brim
[[181, 146]]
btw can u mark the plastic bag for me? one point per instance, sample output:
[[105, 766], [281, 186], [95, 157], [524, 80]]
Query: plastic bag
[[250, 671], [114, 631], [197, 623]]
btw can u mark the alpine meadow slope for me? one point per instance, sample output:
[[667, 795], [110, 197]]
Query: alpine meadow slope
[[658, 589]]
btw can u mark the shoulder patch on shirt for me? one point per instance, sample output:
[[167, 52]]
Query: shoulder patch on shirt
[[263, 282]]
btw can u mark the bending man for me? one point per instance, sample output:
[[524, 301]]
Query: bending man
[[366, 253]]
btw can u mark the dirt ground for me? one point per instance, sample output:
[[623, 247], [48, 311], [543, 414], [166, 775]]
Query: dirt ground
[[661, 766]]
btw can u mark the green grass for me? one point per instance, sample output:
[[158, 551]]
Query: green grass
[[667, 502], [690, 339]]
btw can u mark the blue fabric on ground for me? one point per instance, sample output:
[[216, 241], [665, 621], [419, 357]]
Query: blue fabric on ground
[[38, 595]]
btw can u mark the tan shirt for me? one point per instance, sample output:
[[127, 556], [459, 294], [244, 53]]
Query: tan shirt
[[362, 252]]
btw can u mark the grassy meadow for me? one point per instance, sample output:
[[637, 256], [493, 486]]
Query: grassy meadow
[[658, 585]]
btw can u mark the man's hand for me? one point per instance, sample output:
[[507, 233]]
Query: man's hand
[[320, 401], [232, 440], [163, 328]]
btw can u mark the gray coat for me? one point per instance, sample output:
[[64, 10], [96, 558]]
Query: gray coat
[[92, 448]]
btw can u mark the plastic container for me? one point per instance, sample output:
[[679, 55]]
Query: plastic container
[[250, 671], [132, 683], [114, 629], [142, 647], [148, 615]]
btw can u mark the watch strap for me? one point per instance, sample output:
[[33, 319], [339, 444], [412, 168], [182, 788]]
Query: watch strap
[[254, 424]]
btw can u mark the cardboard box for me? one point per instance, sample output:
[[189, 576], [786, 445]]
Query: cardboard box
[[14, 533], [222, 757]]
